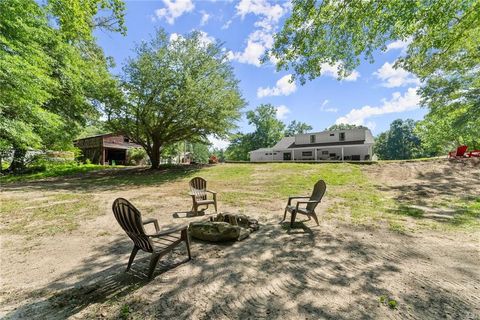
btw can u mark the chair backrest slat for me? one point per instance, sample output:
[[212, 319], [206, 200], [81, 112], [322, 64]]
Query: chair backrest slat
[[198, 187], [317, 194], [130, 219]]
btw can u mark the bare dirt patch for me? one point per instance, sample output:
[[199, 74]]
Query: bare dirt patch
[[337, 270]]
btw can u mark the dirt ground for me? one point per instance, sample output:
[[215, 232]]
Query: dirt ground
[[337, 270]]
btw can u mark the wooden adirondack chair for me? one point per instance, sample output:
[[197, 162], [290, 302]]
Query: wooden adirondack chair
[[158, 244], [198, 192], [459, 153], [312, 202]]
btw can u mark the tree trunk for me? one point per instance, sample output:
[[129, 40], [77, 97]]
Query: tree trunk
[[155, 155], [18, 161]]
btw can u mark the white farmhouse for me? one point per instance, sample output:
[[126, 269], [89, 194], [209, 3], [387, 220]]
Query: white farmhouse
[[339, 145]]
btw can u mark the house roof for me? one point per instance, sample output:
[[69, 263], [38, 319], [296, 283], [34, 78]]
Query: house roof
[[95, 136], [326, 144], [285, 143], [120, 145]]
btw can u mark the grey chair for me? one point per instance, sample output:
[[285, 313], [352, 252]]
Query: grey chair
[[199, 191], [158, 244], [312, 202]]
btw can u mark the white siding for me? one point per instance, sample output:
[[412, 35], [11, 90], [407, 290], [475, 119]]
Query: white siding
[[266, 155], [332, 136]]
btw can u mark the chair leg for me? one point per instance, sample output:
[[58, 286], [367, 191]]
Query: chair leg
[[132, 256], [153, 263], [215, 204], [284, 215], [195, 208], [292, 221], [187, 242], [314, 215]]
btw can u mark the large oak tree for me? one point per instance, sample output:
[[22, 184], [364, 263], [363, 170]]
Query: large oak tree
[[176, 89], [443, 51]]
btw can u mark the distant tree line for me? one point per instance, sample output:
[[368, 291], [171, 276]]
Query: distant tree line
[[268, 131], [402, 142]]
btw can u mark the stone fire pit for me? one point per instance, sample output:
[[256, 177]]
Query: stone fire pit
[[224, 227]]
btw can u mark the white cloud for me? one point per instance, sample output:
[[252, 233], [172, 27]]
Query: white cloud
[[174, 37], [284, 87], [227, 24], [399, 44], [332, 71], [204, 38], [261, 39], [398, 103], [258, 41], [174, 9], [282, 112], [260, 8], [205, 18], [324, 103], [218, 143], [334, 110], [392, 77]]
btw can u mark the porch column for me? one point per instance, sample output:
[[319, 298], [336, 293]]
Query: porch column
[[342, 153], [293, 155], [103, 156], [315, 154]]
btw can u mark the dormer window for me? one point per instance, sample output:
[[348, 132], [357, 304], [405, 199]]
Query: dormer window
[[332, 134], [126, 140], [312, 138], [342, 136]]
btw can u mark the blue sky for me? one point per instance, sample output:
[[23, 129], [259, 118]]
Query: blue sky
[[373, 95]]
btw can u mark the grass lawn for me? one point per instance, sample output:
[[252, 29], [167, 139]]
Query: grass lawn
[[57, 170], [388, 232], [353, 196]]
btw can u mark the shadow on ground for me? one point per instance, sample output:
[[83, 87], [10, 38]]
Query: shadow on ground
[[108, 179], [309, 273], [446, 194]]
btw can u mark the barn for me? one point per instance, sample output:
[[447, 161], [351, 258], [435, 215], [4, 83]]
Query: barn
[[106, 148]]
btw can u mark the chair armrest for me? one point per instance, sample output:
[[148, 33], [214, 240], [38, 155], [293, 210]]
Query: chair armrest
[[151, 220], [169, 231], [210, 191], [304, 202], [295, 197]]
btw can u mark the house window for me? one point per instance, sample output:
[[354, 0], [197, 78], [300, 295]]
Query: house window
[[312, 138], [325, 152], [342, 136], [332, 134], [306, 153]]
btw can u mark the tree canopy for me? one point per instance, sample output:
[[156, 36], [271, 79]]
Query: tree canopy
[[175, 90], [345, 126], [268, 131], [442, 39], [400, 142], [53, 76], [297, 127]]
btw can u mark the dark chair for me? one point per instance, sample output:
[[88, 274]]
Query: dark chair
[[158, 244], [198, 192], [311, 203]]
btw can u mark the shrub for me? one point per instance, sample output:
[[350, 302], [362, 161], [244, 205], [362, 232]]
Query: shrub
[[136, 157]]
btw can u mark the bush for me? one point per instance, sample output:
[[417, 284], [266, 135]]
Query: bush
[[137, 157]]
